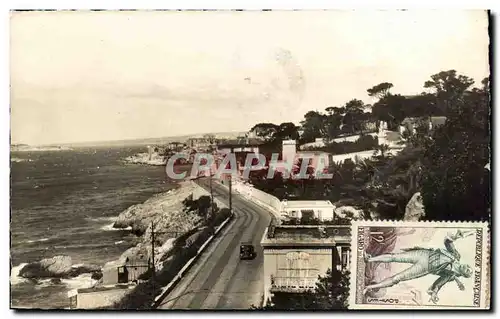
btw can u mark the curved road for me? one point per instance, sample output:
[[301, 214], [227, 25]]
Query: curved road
[[219, 279]]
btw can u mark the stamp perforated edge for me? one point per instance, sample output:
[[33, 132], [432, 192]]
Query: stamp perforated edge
[[485, 264]]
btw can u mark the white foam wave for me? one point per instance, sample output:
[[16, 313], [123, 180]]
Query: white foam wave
[[36, 240], [110, 227], [101, 219], [44, 283], [14, 274], [77, 265], [82, 281]]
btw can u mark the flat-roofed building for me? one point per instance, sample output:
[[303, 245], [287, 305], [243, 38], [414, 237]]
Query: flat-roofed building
[[98, 297], [248, 145], [295, 255], [297, 209]]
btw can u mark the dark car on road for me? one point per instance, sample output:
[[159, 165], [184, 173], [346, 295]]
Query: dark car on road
[[247, 251]]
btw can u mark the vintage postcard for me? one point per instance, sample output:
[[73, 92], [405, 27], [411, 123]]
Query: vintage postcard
[[419, 265], [215, 159]]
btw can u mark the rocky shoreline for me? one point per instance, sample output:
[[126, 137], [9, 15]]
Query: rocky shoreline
[[166, 210], [58, 267], [145, 158]]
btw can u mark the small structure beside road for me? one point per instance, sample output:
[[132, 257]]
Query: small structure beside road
[[295, 255], [97, 297], [125, 270]]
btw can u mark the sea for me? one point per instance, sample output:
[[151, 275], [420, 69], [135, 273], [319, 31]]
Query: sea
[[64, 203]]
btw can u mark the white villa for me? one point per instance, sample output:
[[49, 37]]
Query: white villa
[[321, 209]]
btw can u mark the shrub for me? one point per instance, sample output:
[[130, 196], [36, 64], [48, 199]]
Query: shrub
[[221, 216], [364, 143]]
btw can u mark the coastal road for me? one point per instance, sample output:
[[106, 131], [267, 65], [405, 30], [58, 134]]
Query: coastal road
[[219, 279]]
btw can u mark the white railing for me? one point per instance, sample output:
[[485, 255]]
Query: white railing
[[293, 283]]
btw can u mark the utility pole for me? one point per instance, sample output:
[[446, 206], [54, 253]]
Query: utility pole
[[211, 196], [230, 194], [153, 275]]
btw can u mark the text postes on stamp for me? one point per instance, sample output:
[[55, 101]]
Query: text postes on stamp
[[419, 265]]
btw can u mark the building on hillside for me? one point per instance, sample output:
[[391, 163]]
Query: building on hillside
[[125, 271], [199, 142], [436, 121], [351, 138], [175, 146], [294, 256], [241, 147], [250, 145], [320, 209], [410, 124], [289, 150]]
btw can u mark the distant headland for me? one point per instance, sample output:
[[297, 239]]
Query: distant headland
[[29, 148]]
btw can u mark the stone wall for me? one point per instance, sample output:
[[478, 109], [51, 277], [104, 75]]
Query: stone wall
[[264, 199]]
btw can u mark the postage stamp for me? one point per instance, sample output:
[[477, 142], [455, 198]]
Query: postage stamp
[[419, 265]]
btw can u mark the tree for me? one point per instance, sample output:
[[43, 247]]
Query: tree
[[422, 105], [382, 149], [313, 126], [355, 117], [390, 109], [380, 90], [265, 130], [448, 88], [334, 119], [204, 205], [286, 131], [456, 185], [331, 293]]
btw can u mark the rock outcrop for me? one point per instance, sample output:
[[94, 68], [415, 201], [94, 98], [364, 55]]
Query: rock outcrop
[[56, 267], [349, 212], [414, 210], [162, 207]]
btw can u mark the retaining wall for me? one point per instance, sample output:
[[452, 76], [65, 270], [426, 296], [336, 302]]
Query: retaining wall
[[268, 201]]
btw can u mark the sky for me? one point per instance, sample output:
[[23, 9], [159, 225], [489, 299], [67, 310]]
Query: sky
[[98, 76]]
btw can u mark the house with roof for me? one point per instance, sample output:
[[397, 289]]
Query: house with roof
[[239, 145], [320, 209], [410, 124], [125, 270], [295, 255]]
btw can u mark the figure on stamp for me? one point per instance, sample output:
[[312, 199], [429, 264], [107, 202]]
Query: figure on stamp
[[444, 263], [382, 241]]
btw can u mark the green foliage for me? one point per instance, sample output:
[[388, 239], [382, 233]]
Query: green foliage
[[456, 185], [204, 205], [221, 216], [314, 126], [364, 143], [447, 167], [390, 109], [380, 90], [265, 130], [142, 296]]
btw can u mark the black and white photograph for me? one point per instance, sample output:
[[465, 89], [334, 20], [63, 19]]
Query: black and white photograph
[[218, 159]]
